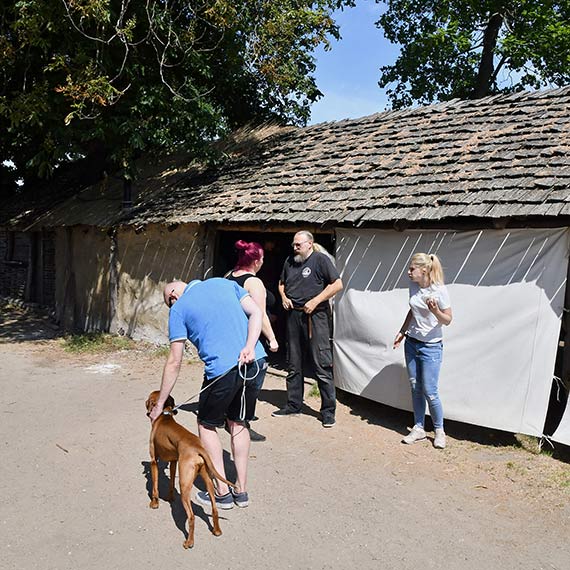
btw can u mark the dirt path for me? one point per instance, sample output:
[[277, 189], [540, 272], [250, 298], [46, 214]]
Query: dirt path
[[74, 485]]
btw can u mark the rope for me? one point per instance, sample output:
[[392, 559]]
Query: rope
[[245, 379], [559, 384], [243, 376], [169, 412]]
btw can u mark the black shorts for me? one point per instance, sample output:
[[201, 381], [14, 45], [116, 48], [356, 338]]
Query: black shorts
[[223, 400]]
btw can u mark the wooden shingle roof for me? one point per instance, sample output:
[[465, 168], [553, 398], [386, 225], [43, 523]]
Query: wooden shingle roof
[[496, 157]]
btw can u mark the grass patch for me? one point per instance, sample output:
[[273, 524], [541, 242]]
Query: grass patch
[[161, 351], [96, 343], [561, 479], [314, 391], [516, 468], [529, 443]]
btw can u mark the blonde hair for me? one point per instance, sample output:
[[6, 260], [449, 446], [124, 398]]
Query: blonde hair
[[432, 265]]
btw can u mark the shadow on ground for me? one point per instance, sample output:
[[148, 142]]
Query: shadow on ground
[[176, 508], [20, 323]]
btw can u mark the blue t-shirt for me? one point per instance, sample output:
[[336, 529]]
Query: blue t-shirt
[[209, 314]]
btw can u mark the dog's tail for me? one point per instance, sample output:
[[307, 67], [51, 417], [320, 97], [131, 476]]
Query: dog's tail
[[212, 470]]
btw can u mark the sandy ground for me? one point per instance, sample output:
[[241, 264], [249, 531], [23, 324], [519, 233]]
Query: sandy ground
[[75, 479]]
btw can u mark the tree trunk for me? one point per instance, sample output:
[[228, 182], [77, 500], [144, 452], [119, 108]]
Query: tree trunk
[[486, 67]]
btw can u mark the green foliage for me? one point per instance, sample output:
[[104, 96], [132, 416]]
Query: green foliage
[[314, 391], [96, 343], [473, 48], [116, 78]]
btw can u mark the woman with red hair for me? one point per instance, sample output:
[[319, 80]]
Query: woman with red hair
[[250, 260]]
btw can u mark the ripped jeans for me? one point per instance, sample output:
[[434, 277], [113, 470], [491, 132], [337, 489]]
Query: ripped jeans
[[423, 360]]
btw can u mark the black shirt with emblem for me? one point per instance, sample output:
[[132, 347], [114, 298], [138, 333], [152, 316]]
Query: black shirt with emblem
[[307, 279]]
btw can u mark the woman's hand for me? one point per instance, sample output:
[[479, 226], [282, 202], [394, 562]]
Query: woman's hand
[[273, 345], [443, 316], [432, 305], [399, 338]]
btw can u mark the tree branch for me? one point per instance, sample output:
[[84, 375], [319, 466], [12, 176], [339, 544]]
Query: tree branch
[[483, 82]]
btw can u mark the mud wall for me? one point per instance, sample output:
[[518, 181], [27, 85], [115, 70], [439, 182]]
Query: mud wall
[[146, 261], [82, 269]]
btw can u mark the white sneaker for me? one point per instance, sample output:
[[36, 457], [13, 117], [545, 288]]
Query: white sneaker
[[416, 434], [439, 440]]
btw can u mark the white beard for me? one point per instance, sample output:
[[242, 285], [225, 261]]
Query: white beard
[[299, 258]]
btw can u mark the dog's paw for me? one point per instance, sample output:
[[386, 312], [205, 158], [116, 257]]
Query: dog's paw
[[153, 504], [217, 532], [188, 544]]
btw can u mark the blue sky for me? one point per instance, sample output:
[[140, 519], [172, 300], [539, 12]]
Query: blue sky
[[348, 74]]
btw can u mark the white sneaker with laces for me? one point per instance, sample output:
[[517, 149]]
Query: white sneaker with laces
[[439, 440], [417, 433]]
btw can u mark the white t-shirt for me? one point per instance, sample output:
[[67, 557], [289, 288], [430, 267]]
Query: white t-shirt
[[423, 325]]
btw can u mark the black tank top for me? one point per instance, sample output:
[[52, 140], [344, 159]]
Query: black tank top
[[269, 300]]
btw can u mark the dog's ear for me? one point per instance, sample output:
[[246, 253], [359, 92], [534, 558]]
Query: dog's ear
[[151, 401], [170, 404]]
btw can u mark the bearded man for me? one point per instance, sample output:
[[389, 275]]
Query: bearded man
[[308, 280]]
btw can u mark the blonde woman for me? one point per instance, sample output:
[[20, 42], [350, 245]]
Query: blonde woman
[[430, 310]]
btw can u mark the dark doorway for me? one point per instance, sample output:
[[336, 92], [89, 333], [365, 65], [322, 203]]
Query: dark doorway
[[277, 246]]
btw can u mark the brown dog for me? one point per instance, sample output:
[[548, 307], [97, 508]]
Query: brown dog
[[171, 442]]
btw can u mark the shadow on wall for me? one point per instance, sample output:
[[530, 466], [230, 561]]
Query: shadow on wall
[[84, 267], [487, 258]]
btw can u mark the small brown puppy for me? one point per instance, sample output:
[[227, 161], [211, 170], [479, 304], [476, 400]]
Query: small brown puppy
[[172, 442]]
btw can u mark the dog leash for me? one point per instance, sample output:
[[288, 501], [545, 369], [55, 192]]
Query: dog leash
[[243, 376], [245, 379]]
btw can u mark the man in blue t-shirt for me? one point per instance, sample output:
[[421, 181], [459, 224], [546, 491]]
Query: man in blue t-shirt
[[223, 322]]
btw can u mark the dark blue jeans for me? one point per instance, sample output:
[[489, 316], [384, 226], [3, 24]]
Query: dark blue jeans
[[319, 349], [423, 360]]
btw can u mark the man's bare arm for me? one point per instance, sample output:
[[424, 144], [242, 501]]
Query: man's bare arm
[[169, 376]]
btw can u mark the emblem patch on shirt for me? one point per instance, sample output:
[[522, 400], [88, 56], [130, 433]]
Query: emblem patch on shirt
[[306, 272]]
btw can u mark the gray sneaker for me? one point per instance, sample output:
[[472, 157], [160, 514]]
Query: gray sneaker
[[224, 502], [439, 440], [240, 499], [416, 434]]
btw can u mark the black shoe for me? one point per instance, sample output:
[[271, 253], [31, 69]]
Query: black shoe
[[329, 423], [283, 412], [254, 436]]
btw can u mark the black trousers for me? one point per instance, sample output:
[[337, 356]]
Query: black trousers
[[319, 349]]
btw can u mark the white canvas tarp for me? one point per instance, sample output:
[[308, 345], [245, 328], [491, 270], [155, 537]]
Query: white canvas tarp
[[507, 291]]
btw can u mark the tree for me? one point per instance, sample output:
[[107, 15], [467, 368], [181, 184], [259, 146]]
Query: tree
[[474, 48], [111, 79]]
